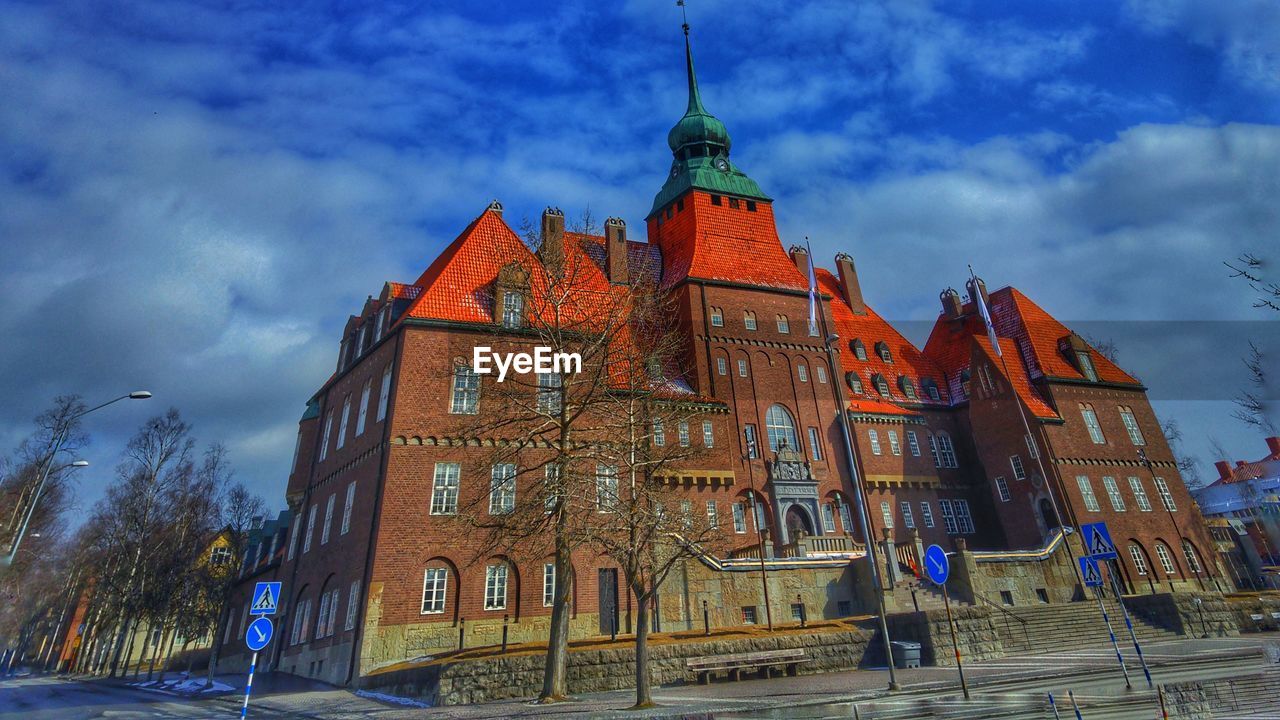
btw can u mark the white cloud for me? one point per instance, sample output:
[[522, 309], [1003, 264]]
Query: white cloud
[[1245, 32]]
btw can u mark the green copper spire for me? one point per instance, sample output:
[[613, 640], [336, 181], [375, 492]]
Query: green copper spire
[[700, 144]]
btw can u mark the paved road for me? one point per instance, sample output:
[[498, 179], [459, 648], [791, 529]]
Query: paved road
[[1092, 671]]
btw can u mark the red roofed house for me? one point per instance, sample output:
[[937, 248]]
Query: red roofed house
[[371, 579]]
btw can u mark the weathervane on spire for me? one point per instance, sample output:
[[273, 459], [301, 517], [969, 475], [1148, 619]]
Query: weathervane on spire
[[684, 15]]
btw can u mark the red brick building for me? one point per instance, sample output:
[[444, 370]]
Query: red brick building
[[372, 576]]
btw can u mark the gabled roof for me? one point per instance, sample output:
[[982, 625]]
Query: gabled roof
[[710, 242], [1016, 376], [870, 328]]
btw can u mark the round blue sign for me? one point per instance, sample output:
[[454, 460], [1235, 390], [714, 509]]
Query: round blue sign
[[936, 565], [258, 634]]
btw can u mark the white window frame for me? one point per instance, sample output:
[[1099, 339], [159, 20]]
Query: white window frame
[[328, 518], [548, 584], [1140, 493], [512, 309], [784, 325], [328, 433], [908, 518], [948, 517], [311, 529], [828, 519], [1192, 557], [721, 366], [353, 602], [846, 518], [874, 438], [606, 488], [1113, 493], [1166, 560], [713, 514], [802, 372], [926, 513], [717, 317], [384, 394], [913, 443], [1166, 496], [342, 426], [963, 517], [1086, 492], [1002, 488], [1019, 472], [682, 432], [1090, 418], [1130, 423], [895, 446], [886, 514], [1139, 560], [495, 587], [815, 444], [708, 434], [659, 433], [435, 591], [821, 373], [739, 518], [948, 451], [446, 477], [363, 413], [933, 450], [742, 368], [502, 489], [748, 320], [346, 508], [464, 391], [550, 386]]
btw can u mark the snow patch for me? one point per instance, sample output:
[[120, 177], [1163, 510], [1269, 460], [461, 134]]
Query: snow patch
[[392, 699]]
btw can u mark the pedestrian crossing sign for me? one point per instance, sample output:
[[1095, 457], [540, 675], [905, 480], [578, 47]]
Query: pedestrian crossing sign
[[1090, 571], [266, 598], [1097, 541]]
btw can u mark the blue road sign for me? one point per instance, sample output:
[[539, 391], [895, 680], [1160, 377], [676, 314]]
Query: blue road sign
[[1090, 571], [936, 565], [266, 598], [258, 635], [1097, 541]]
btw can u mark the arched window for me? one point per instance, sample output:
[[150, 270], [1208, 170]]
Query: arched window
[[780, 428], [1189, 551], [717, 317], [749, 319], [1166, 559], [1091, 423], [855, 382], [784, 326], [1139, 559], [882, 385], [859, 350]]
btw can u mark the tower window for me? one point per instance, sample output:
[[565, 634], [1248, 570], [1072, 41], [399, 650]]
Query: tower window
[[751, 206], [715, 200], [680, 205], [733, 203]]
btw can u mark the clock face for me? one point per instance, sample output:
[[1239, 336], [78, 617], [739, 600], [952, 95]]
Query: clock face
[[722, 165], [675, 169]]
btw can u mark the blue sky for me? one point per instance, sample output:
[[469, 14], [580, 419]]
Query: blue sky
[[194, 196]]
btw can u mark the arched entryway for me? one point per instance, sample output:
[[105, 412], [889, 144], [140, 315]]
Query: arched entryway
[[798, 523]]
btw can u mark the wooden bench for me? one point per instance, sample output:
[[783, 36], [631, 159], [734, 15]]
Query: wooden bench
[[763, 661]]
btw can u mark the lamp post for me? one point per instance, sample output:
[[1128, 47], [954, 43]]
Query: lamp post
[[1168, 503], [59, 438]]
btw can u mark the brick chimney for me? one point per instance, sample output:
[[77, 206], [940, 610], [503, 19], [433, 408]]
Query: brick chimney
[[849, 284], [1224, 469], [800, 256], [496, 207], [551, 252], [615, 251], [1273, 445], [951, 305], [974, 287]]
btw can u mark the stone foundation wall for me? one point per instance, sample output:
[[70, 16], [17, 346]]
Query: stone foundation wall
[[1055, 575], [1243, 607], [599, 670], [976, 633], [1179, 612]]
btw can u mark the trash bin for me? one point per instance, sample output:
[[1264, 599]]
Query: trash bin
[[905, 654]]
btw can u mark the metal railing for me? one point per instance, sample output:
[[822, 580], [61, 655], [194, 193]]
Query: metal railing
[[1026, 635]]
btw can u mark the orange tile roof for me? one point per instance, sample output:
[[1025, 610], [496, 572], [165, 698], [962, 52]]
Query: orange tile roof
[[717, 242], [1042, 333], [1017, 375], [870, 328]]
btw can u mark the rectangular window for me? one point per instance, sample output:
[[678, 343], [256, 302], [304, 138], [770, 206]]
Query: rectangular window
[[828, 518], [435, 583], [717, 317], [1113, 492], [753, 449], [749, 320], [379, 320], [328, 433], [466, 391], [948, 517], [495, 587], [606, 488], [1091, 422], [322, 615], [713, 515], [353, 603], [659, 433], [874, 437], [821, 372], [802, 372], [1031, 448], [1131, 427], [886, 514], [815, 446], [328, 519], [682, 429], [444, 489], [512, 309], [1002, 487], [784, 327], [1086, 491], [549, 391], [948, 451], [384, 394], [551, 487], [1166, 562], [1019, 473], [1166, 497], [963, 518], [363, 413], [742, 368], [933, 450], [913, 443], [721, 366], [846, 518], [926, 513], [1140, 494], [346, 508], [293, 538], [502, 489], [708, 434], [894, 446], [908, 519], [739, 518], [548, 584], [749, 615], [311, 529], [346, 415], [1139, 562]]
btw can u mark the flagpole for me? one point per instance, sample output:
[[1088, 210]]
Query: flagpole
[[1022, 413]]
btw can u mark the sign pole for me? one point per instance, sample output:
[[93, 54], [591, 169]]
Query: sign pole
[[951, 623], [244, 710], [1115, 586], [1097, 592]]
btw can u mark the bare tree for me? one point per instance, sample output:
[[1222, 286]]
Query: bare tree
[[238, 508], [1188, 465], [1253, 406], [1106, 347], [1253, 270]]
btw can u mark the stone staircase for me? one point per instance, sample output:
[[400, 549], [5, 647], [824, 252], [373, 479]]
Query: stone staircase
[[926, 596], [1046, 628]]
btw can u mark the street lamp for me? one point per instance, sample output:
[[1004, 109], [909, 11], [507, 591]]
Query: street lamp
[[59, 439]]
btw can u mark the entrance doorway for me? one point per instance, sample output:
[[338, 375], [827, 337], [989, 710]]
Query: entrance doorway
[[608, 600], [797, 524]]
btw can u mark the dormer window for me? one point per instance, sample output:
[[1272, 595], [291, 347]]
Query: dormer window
[[908, 388], [360, 342], [964, 382], [1086, 366], [859, 350], [509, 292], [748, 317], [717, 317], [784, 327], [1080, 354], [882, 385], [380, 323], [512, 309], [855, 382], [931, 389], [882, 349]]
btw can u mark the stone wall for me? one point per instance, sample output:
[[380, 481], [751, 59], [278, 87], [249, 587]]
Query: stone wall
[[991, 575], [1244, 606], [484, 680], [1179, 612], [976, 633]]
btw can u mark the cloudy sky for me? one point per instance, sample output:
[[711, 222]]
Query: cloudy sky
[[194, 196]]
